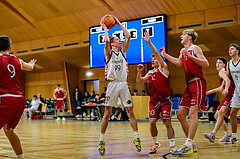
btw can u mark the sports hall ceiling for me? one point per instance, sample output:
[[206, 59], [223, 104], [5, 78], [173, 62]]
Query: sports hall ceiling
[[27, 20]]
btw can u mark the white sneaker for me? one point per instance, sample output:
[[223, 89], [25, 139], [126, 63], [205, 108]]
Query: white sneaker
[[29, 119], [84, 114], [77, 116]]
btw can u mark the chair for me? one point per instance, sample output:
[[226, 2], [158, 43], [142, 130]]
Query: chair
[[205, 115], [175, 106], [212, 97], [49, 106]]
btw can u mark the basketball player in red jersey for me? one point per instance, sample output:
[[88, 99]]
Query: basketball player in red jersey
[[59, 95], [12, 101], [160, 96], [192, 59], [227, 88]]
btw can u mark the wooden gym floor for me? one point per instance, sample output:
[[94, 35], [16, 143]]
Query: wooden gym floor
[[76, 139]]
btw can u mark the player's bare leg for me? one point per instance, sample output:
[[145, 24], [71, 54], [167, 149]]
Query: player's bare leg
[[220, 123], [170, 134], [104, 125], [63, 112], [182, 114], [14, 140], [190, 146], [133, 123], [233, 115], [154, 134]]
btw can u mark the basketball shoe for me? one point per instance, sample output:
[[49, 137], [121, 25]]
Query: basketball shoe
[[63, 119], [210, 137], [137, 144], [172, 149], [58, 119], [232, 141], [101, 148], [184, 150], [225, 138], [154, 148]]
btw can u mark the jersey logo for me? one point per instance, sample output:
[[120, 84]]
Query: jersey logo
[[236, 77]]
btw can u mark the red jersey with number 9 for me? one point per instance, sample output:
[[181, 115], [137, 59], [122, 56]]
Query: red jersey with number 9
[[10, 68]]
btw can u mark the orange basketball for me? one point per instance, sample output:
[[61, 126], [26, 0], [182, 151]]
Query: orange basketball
[[109, 21]]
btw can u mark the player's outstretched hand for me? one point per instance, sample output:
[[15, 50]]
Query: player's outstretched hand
[[147, 37], [185, 53], [140, 67], [33, 61], [163, 51], [209, 92], [116, 20], [225, 92], [103, 25]]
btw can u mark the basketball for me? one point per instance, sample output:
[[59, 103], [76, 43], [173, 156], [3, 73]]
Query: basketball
[[109, 21]]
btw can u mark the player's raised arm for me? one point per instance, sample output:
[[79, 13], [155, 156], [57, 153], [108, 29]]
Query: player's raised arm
[[218, 89], [200, 59], [174, 60], [107, 41], [28, 66], [139, 78], [156, 54], [127, 35]]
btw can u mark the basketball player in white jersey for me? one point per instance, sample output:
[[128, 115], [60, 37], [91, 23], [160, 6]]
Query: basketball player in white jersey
[[234, 70], [116, 72]]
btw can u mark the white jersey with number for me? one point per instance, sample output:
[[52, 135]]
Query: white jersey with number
[[235, 73], [116, 68]]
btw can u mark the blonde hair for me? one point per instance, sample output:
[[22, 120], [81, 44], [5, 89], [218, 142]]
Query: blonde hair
[[191, 33]]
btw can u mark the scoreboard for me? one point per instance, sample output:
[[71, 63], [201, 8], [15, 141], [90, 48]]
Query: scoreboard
[[138, 51]]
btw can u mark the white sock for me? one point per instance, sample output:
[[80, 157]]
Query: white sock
[[188, 142], [227, 133], [136, 135], [172, 142], [155, 140], [214, 132], [20, 156], [234, 135], [101, 136]]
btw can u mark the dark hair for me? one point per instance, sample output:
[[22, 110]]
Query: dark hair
[[135, 90], [88, 95], [111, 41], [236, 46], [76, 87], [222, 59], [144, 91], [97, 94], [5, 43], [58, 85], [35, 96]]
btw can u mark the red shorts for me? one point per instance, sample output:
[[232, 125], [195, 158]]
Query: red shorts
[[11, 110], [225, 103], [155, 107], [60, 104], [194, 95]]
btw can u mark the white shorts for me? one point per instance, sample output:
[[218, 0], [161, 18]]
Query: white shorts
[[118, 89], [235, 103]]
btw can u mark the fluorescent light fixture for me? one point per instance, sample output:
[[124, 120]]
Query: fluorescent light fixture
[[89, 73]]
